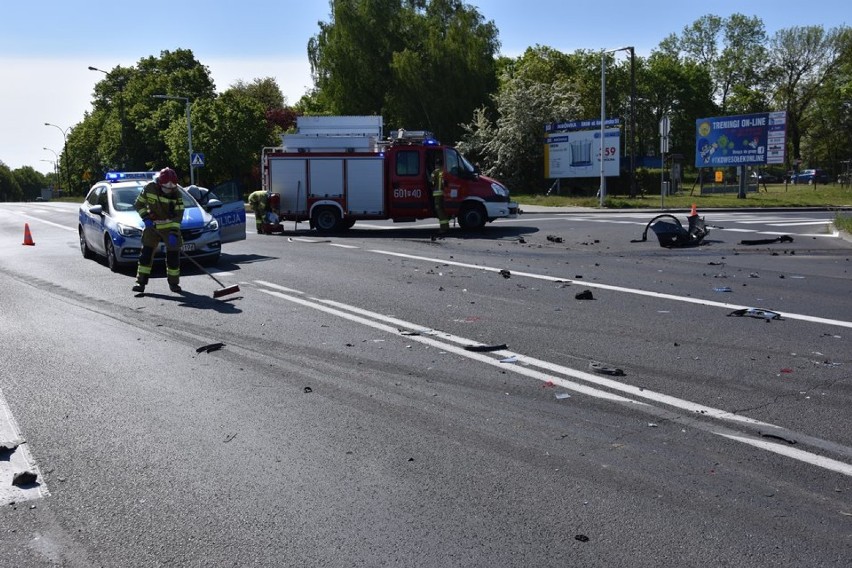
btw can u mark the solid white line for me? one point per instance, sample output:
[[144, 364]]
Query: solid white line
[[800, 455], [65, 227], [427, 337], [343, 246], [637, 291]]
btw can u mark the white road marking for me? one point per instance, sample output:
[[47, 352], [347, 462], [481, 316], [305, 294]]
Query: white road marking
[[522, 367], [637, 291], [19, 461]]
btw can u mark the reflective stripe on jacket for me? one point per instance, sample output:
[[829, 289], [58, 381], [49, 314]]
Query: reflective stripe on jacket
[[165, 210]]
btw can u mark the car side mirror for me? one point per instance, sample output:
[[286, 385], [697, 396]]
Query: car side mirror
[[212, 204], [97, 210]]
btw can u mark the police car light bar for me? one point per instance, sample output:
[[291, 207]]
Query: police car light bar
[[128, 176]]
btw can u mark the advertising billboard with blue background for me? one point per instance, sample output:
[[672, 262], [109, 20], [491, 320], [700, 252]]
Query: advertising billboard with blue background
[[743, 140]]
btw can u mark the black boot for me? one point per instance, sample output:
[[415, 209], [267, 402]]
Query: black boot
[[139, 287], [175, 287]]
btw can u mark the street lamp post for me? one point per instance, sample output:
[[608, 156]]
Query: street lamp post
[[55, 175], [602, 190], [188, 130], [120, 85], [57, 170], [64, 132]]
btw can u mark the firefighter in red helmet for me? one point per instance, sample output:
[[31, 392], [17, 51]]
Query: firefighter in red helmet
[[161, 207]]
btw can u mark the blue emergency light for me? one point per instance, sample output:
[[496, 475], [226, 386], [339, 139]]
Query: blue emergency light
[[129, 176]]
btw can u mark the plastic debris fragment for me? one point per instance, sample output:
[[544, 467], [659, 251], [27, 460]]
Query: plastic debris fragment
[[781, 239], [484, 348], [722, 289], [209, 348], [505, 273], [612, 371], [759, 313], [584, 295]]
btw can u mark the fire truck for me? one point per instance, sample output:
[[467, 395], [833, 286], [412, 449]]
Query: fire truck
[[336, 170]]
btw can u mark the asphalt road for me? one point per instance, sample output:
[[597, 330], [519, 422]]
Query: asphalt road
[[386, 399]]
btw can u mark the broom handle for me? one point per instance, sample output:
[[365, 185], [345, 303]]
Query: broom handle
[[201, 268]]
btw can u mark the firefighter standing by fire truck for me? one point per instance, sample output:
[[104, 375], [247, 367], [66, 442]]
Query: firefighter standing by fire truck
[[161, 207], [259, 201], [437, 182]]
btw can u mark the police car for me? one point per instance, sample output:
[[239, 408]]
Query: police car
[[110, 227]]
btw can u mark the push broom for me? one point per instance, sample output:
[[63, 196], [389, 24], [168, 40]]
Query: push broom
[[224, 290]]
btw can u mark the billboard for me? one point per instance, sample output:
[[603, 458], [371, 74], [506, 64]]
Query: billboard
[[743, 140], [577, 153]]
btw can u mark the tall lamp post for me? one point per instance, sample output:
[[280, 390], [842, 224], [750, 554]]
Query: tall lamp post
[[64, 132], [188, 130], [602, 190], [55, 175], [57, 170], [120, 85]]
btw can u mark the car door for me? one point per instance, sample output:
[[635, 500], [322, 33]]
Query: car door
[[231, 215], [93, 227]]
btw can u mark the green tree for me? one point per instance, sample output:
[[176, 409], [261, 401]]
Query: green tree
[[10, 190], [733, 50], [511, 146], [418, 63], [802, 63], [30, 181], [231, 130]]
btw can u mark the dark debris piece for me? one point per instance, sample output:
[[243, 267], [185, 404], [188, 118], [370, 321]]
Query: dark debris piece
[[603, 370], [307, 390], [485, 348], [756, 313], [554, 239], [781, 239], [505, 273], [209, 348], [581, 538], [24, 478], [584, 295]]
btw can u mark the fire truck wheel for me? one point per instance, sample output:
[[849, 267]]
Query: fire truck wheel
[[326, 219], [472, 217]]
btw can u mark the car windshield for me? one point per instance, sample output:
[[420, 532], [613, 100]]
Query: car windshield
[[124, 198]]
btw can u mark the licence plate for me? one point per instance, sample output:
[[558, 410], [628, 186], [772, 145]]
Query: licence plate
[[187, 247]]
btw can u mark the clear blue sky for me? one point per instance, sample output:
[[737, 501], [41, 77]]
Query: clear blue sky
[[46, 46]]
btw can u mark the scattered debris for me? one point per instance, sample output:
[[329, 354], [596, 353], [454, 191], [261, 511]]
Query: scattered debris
[[229, 438], [562, 395], [786, 371], [522, 240], [554, 239], [505, 273], [7, 449], [781, 239], [307, 390], [408, 332], [512, 359], [24, 478], [670, 233], [603, 370], [209, 348], [722, 289], [759, 313], [781, 438], [652, 425], [485, 348], [715, 264], [581, 538], [584, 295]]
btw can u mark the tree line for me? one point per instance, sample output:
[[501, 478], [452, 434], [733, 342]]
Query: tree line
[[435, 65]]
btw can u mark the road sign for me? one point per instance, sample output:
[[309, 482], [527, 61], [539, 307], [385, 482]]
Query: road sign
[[665, 130], [197, 160]]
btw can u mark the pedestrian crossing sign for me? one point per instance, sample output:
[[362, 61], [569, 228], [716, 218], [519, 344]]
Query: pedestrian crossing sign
[[197, 160]]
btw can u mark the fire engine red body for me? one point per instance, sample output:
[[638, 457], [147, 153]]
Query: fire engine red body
[[337, 170]]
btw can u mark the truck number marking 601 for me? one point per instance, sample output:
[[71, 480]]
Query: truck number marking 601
[[401, 193]]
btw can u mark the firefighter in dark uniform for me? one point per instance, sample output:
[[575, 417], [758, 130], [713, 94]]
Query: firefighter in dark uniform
[[437, 182], [161, 207]]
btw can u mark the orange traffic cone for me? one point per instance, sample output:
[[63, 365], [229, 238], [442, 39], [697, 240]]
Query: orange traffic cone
[[28, 238], [694, 210]]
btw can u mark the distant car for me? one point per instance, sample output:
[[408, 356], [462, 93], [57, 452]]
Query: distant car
[[765, 177], [809, 176], [110, 227], [40, 198]]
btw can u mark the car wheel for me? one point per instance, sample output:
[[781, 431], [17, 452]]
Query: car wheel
[[111, 259], [326, 219], [472, 217], [84, 247]]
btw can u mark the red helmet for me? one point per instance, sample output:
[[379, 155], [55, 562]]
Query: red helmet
[[167, 178]]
